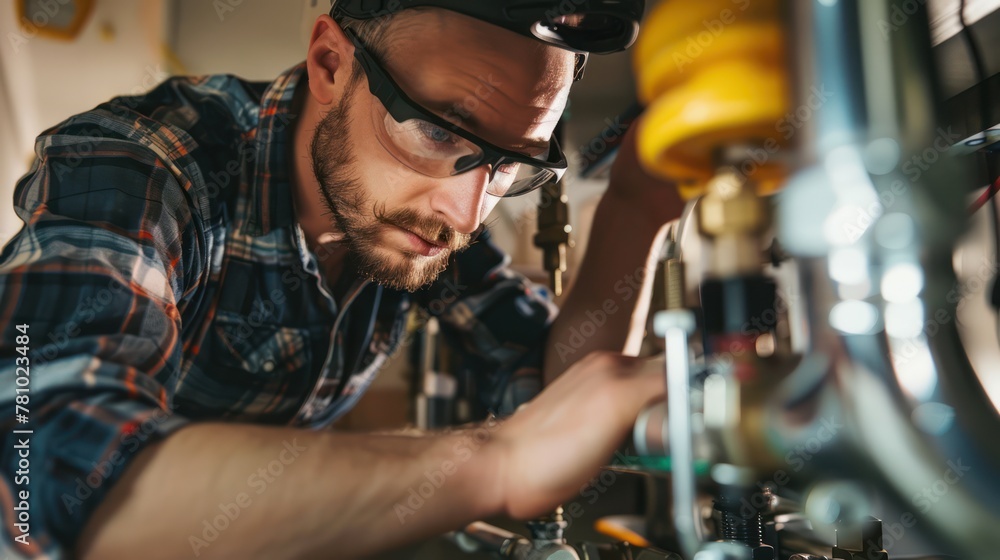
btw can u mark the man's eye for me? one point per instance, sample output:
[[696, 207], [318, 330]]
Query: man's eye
[[436, 133]]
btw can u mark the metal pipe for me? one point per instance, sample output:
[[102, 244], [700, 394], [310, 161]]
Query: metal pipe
[[483, 537], [675, 325]]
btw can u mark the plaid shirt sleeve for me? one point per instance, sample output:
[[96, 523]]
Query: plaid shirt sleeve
[[99, 274], [497, 322]]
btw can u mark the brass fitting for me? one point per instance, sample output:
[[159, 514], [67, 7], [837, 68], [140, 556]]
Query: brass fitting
[[553, 236], [731, 207], [733, 216]]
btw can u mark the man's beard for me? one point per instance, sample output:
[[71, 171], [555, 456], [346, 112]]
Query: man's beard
[[343, 194]]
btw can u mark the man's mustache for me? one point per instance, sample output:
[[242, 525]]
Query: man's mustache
[[428, 228]]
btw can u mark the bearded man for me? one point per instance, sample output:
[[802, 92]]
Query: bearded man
[[212, 271]]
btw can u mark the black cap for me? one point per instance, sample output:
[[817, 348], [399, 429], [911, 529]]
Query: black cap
[[582, 26]]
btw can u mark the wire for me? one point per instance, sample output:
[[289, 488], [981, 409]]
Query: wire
[[993, 167], [987, 196]]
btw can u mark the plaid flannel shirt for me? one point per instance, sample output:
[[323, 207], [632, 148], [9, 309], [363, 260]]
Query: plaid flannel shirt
[[163, 279]]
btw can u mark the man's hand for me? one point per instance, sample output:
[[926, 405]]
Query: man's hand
[[632, 185], [615, 278], [558, 441]]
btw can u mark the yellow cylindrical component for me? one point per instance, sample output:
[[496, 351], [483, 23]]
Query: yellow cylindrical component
[[679, 37], [712, 75]]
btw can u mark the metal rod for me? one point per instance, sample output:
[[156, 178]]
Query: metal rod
[[675, 325]]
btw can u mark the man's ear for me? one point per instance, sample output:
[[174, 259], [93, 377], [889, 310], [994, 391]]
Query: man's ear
[[329, 60]]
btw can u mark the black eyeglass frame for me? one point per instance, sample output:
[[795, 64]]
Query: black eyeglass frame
[[402, 109]]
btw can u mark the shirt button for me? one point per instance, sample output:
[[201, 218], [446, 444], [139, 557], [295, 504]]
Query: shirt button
[[269, 366]]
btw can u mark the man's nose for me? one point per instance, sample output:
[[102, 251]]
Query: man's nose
[[460, 199]]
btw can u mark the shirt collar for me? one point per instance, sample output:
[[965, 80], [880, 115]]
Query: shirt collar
[[271, 178]]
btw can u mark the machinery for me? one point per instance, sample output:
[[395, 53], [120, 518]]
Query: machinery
[[816, 374]]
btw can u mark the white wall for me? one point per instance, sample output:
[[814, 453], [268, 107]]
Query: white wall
[[253, 39], [10, 161]]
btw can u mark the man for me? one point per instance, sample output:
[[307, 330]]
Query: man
[[217, 256]]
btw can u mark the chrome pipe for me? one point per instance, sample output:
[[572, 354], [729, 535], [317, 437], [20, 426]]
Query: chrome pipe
[[675, 325]]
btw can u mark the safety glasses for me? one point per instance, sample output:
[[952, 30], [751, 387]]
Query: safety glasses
[[436, 147]]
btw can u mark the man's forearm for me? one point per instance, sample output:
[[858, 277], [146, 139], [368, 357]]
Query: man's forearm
[[290, 493], [601, 311]]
